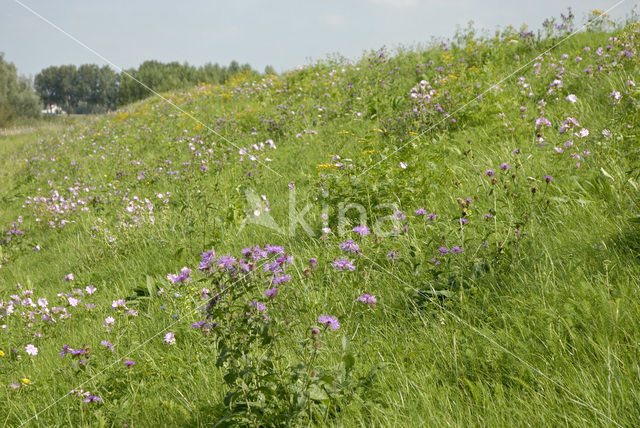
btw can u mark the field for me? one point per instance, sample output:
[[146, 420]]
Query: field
[[447, 235]]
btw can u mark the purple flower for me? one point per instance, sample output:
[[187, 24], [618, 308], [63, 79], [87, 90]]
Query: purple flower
[[421, 211], [463, 221], [258, 305], [362, 230], [181, 277], [542, 121], [392, 255], [443, 250], [68, 277], [368, 299], [505, 166], [206, 260], [129, 363], [274, 249], [488, 216], [313, 263], [226, 262], [399, 215], [342, 264], [281, 279], [107, 344], [90, 289], [65, 350], [350, 246], [548, 178], [489, 173], [271, 293], [456, 250], [92, 398], [329, 321]]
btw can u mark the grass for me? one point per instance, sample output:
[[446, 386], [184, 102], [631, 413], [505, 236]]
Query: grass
[[536, 322]]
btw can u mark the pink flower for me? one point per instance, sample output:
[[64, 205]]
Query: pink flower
[[68, 277]]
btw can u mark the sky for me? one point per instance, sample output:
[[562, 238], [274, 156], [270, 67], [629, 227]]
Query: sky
[[281, 33]]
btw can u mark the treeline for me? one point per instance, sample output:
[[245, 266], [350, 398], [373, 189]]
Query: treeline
[[93, 89], [17, 98]]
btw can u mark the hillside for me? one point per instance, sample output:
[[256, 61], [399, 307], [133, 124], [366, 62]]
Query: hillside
[[445, 235]]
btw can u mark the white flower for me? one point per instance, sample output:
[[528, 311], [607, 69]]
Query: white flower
[[170, 338], [31, 350], [571, 98]]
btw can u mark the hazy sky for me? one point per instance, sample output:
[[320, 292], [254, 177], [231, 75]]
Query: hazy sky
[[281, 33]]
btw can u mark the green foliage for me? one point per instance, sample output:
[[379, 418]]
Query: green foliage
[[17, 99], [526, 315]]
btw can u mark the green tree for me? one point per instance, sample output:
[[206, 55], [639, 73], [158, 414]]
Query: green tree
[[17, 98]]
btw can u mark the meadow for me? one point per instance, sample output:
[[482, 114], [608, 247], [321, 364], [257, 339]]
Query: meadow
[[443, 235]]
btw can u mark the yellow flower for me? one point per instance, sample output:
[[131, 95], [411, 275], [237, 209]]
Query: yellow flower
[[1, 353], [26, 381]]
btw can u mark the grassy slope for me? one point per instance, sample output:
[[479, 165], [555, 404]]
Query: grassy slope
[[539, 328]]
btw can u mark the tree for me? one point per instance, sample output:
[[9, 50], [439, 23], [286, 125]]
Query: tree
[[17, 98]]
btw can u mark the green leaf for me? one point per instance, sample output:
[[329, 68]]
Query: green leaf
[[349, 361], [151, 288], [318, 394]]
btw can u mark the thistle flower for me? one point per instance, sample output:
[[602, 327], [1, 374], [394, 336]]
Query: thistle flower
[[206, 260], [368, 299], [329, 321], [92, 398], [349, 247], [181, 277], [258, 305], [505, 166], [362, 230], [129, 363], [443, 250], [548, 178], [281, 279], [456, 250], [342, 264], [271, 292], [489, 173]]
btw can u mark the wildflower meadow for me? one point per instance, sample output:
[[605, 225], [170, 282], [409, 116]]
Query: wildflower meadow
[[442, 235]]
